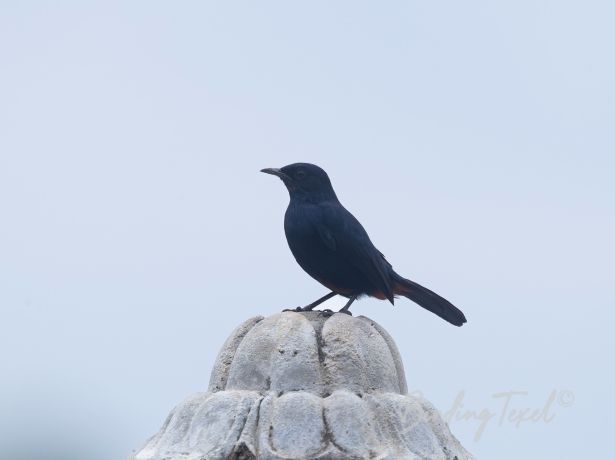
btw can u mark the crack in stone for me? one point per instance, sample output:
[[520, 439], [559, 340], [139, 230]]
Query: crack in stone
[[271, 438], [329, 438], [242, 452], [318, 323]]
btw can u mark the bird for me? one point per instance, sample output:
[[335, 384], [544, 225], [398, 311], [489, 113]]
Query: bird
[[332, 246]]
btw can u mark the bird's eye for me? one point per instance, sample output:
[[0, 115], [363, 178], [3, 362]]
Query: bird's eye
[[300, 175]]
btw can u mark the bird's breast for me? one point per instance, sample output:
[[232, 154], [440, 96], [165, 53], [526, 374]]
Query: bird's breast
[[301, 233], [321, 262]]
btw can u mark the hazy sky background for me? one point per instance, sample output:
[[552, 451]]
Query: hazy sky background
[[474, 140]]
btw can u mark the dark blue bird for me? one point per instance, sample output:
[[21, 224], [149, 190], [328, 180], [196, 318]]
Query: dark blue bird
[[332, 246]]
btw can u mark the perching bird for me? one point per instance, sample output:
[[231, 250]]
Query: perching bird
[[332, 246]]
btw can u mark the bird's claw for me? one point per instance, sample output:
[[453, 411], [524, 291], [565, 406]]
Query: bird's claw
[[293, 309], [326, 312]]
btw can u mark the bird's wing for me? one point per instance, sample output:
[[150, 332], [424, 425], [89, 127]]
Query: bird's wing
[[342, 233]]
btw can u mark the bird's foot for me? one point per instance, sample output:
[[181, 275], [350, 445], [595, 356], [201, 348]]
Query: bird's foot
[[346, 312], [326, 313], [300, 309]]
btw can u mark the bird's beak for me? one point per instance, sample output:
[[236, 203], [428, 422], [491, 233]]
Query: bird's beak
[[275, 172]]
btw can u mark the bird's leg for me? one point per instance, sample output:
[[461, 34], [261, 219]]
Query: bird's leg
[[314, 304], [345, 308]]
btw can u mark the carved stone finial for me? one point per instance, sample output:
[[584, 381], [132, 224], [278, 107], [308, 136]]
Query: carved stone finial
[[305, 386]]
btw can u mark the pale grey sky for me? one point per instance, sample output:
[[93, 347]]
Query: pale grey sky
[[474, 140]]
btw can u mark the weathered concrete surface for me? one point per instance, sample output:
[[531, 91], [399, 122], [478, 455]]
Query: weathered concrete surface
[[305, 386]]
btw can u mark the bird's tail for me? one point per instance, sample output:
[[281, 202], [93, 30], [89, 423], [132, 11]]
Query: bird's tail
[[428, 300]]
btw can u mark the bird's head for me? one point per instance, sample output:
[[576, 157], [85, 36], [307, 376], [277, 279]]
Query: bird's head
[[304, 181]]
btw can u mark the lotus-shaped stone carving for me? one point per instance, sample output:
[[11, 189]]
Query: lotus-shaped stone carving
[[305, 386]]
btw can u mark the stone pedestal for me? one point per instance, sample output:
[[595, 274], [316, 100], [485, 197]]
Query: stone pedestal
[[305, 386]]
